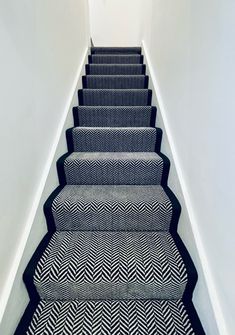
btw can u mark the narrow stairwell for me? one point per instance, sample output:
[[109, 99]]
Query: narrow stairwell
[[112, 261]]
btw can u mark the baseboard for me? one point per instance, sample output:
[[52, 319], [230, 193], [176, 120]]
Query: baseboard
[[187, 205], [58, 145]]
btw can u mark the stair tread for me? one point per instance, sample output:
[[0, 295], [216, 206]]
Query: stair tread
[[111, 317], [109, 265]]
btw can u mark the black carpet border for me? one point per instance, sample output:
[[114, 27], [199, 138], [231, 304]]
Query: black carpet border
[[194, 318], [69, 139], [153, 116], [76, 116], [158, 139], [150, 94], [47, 208], [166, 168], [80, 97], [146, 81], [176, 210], [61, 170]]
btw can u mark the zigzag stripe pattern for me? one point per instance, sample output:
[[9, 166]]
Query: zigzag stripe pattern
[[114, 97], [112, 168], [111, 317], [130, 265], [114, 139], [115, 59], [110, 263], [113, 69], [117, 81], [114, 116], [133, 208]]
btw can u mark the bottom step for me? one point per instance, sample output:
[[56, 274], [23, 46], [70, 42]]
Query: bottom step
[[137, 317]]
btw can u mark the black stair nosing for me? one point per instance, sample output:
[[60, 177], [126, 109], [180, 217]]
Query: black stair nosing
[[87, 67], [81, 101], [70, 144], [141, 58], [116, 50], [84, 78], [76, 114]]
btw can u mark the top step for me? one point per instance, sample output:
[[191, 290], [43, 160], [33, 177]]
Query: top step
[[115, 50]]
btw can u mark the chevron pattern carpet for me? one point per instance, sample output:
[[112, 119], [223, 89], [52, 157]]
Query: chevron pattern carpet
[[112, 262]]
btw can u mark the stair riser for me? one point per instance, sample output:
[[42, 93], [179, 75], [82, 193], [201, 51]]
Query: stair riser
[[114, 116], [114, 140], [115, 59], [97, 69], [93, 217], [106, 291], [112, 82], [115, 50], [114, 98], [113, 173]]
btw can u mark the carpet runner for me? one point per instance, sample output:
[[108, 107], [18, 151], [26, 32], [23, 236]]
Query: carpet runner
[[112, 261]]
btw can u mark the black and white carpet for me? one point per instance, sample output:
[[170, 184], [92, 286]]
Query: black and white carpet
[[112, 262]]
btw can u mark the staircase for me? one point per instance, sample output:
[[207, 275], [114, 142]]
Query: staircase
[[112, 262]]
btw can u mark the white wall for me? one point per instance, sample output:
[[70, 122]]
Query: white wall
[[191, 49], [115, 22], [43, 44]]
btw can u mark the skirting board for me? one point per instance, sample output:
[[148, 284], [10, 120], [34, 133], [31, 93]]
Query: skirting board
[[212, 312], [14, 291]]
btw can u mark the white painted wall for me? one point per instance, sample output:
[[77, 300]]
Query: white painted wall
[[43, 48], [191, 49], [115, 22]]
